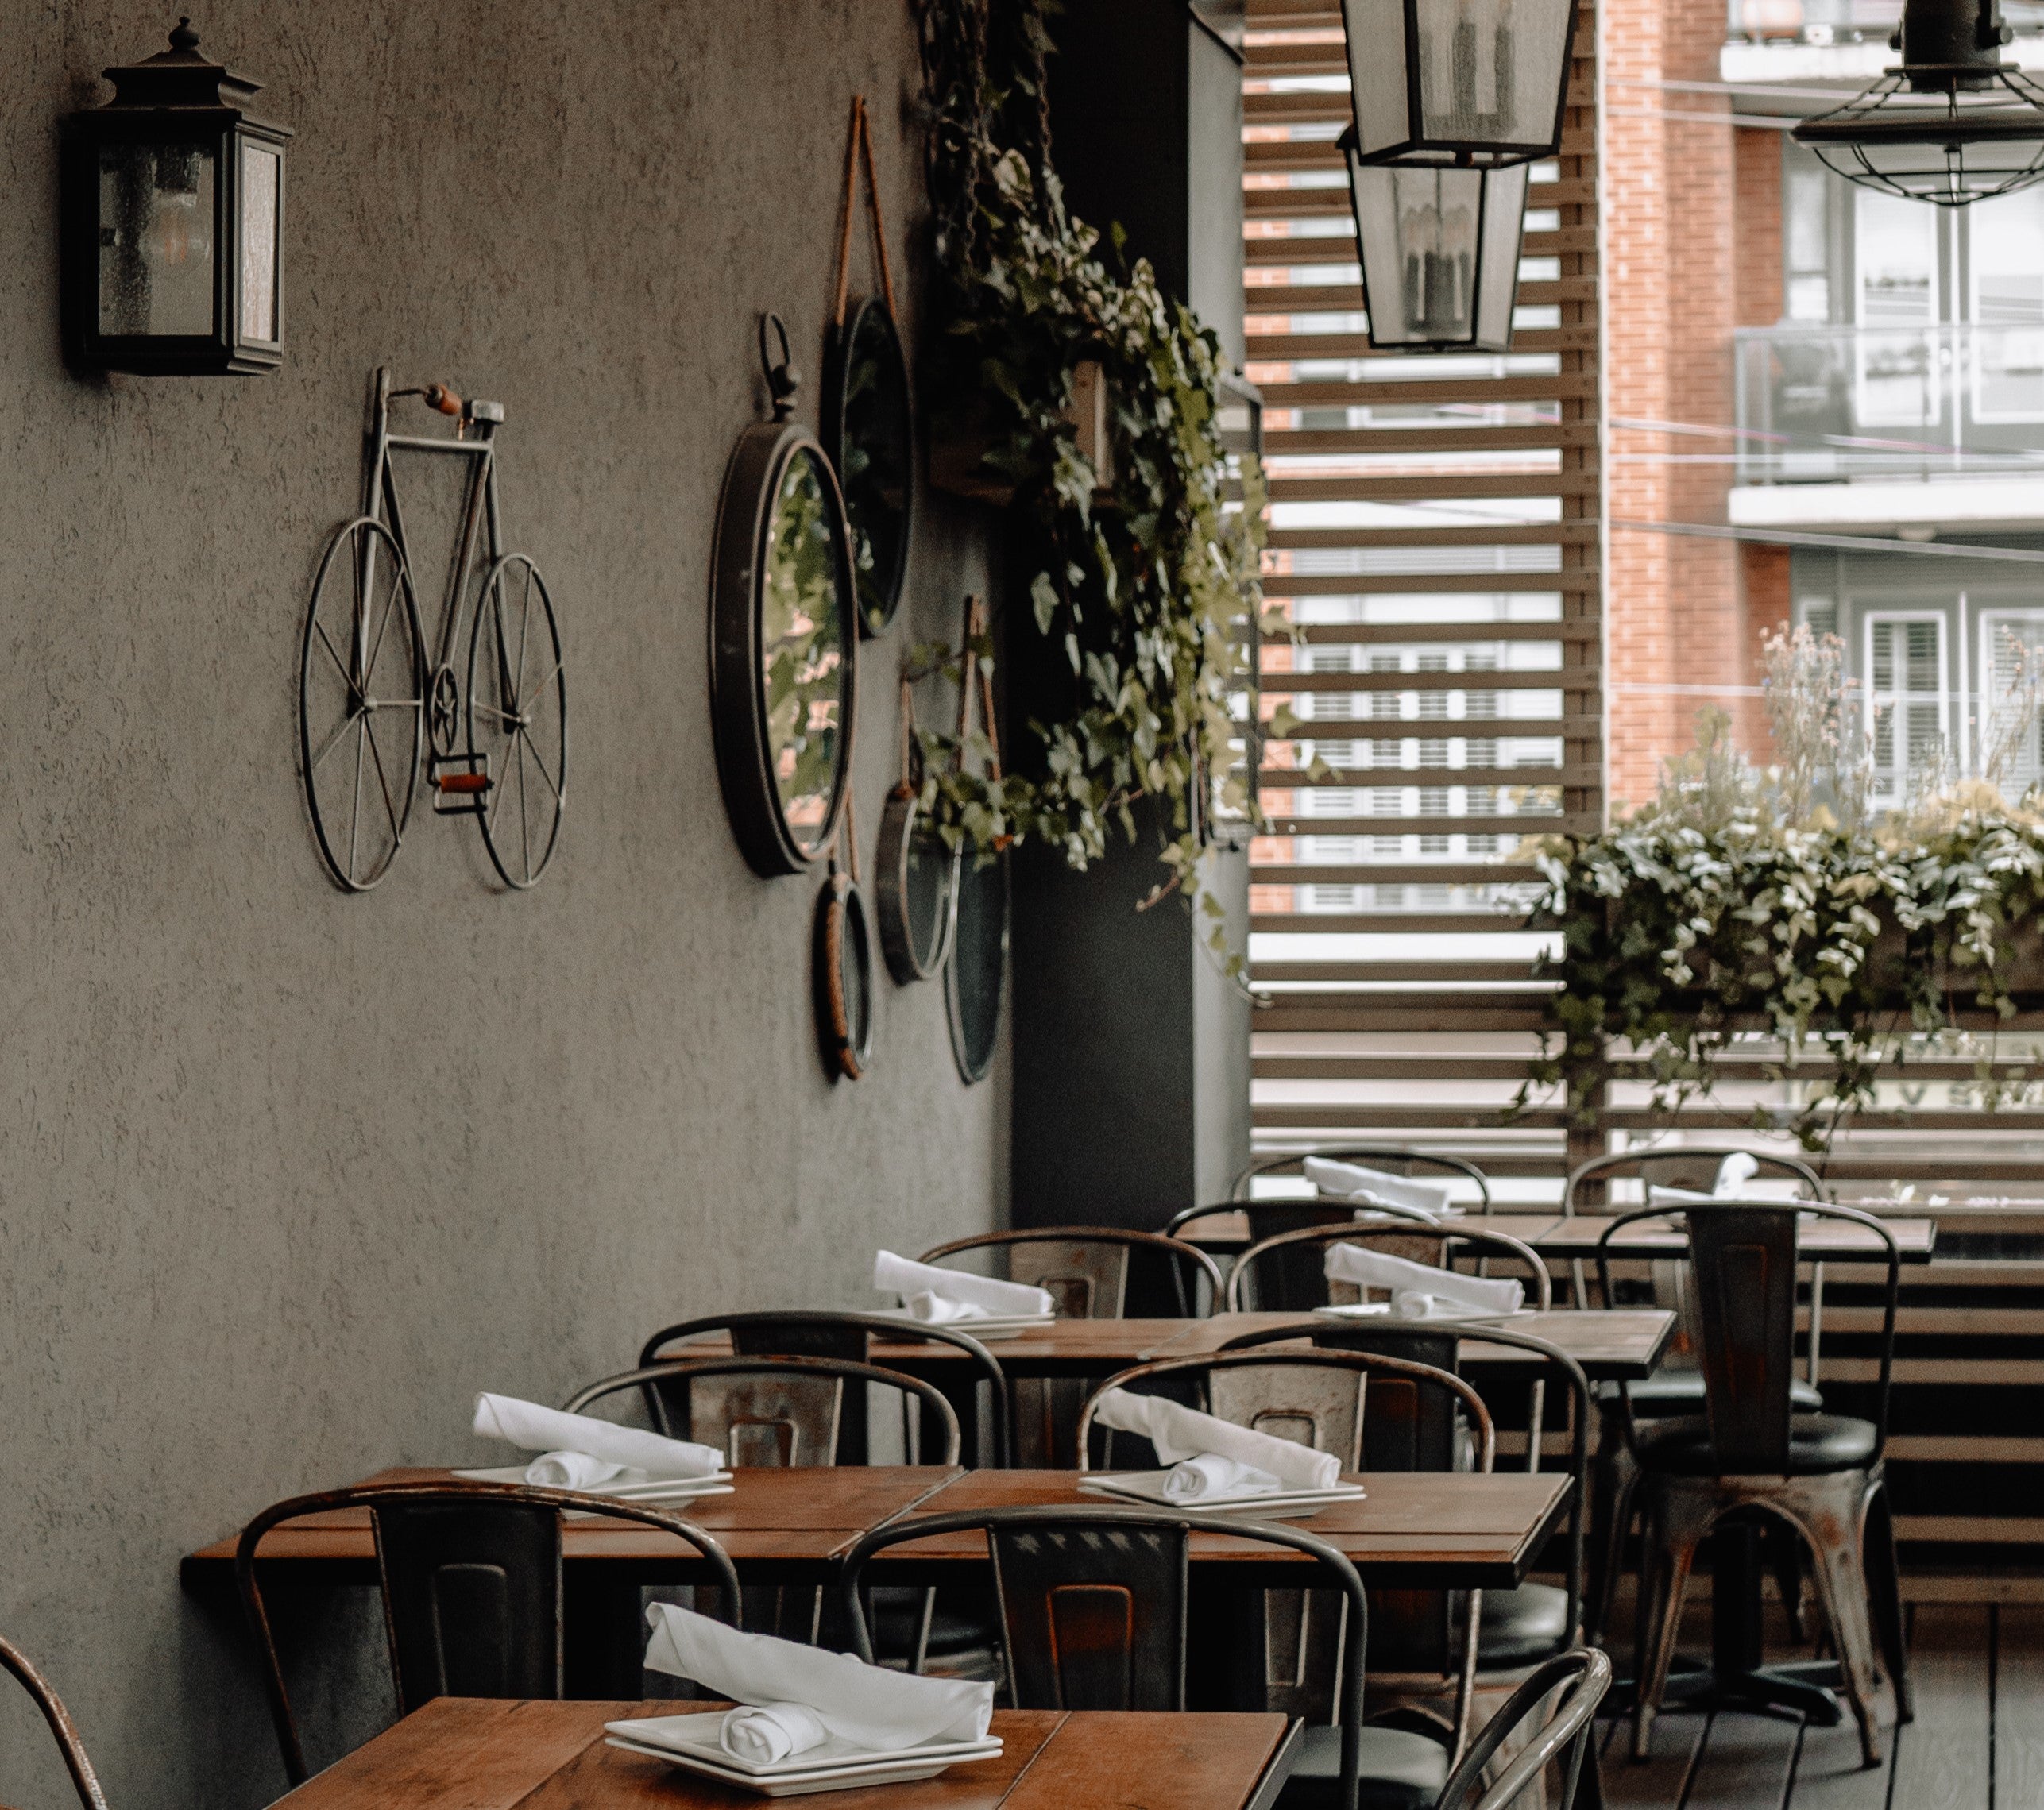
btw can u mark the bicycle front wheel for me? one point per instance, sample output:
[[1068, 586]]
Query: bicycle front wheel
[[518, 718], [361, 716]]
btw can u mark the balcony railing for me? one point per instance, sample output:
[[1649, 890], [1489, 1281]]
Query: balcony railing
[[1842, 21], [1827, 405]]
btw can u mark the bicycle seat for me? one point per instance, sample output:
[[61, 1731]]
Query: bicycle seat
[[492, 411]]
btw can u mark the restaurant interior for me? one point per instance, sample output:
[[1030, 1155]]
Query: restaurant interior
[[1089, 1248]]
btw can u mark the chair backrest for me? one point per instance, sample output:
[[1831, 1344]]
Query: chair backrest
[[772, 1411], [1086, 1269], [824, 1332], [471, 1588], [1430, 1343], [1094, 1605], [1743, 1257], [1568, 1736], [1393, 1159], [1287, 1274], [1690, 1167], [82, 1777]]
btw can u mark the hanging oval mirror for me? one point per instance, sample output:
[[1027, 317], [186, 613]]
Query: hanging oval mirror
[[843, 972], [869, 426], [979, 961], [916, 893], [783, 644]]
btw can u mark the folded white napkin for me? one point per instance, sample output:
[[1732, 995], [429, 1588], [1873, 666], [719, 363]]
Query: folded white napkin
[[771, 1732], [1179, 1432], [937, 1310], [1379, 1269], [1377, 1188], [1210, 1474], [561, 1435], [900, 1276], [864, 1705], [1772, 1193], [574, 1470], [1741, 1166]]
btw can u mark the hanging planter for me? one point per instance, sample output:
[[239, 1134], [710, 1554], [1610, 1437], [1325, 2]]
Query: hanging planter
[[965, 447]]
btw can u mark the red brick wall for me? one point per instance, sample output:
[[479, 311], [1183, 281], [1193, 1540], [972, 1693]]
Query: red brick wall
[[1693, 228]]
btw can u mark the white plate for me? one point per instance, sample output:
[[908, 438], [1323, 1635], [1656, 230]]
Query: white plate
[[691, 1743], [994, 1325], [627, 1488], [1382, 1310], [1147, 1487]]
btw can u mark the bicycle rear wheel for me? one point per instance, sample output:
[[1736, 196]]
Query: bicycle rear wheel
[[518, 718], [361, 716]]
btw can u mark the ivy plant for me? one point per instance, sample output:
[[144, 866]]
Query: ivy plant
[[1146, 588]]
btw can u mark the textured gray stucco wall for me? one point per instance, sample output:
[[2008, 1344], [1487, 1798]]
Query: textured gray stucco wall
[[286, 1176]]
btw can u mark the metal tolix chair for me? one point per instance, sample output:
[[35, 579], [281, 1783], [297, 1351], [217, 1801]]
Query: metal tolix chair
[[473, 1592], [84, 1780], [1287, 1274], [1095, 1605], [1568, 1737], [1820, 1474]]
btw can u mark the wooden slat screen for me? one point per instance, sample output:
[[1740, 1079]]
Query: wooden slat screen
[[1436, 534]]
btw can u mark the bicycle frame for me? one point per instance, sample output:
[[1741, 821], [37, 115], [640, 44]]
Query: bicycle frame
[[480, 519]]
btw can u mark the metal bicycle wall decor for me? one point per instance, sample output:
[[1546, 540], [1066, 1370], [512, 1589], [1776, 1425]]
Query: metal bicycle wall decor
[[376, 703]]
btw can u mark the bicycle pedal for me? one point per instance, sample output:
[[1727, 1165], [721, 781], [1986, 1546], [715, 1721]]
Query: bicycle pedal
[[460, 783]]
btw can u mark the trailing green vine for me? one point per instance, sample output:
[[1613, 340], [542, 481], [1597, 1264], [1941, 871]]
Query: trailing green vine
[[1146, 590], [1739, 899]]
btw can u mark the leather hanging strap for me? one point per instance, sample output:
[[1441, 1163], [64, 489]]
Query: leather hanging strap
[[858, 154]]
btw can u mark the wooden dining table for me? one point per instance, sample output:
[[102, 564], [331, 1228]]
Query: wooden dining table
[[477, 1753], [1569, 1236], [1414, 1531]]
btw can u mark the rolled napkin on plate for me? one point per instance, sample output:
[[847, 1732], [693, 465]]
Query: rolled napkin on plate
[[1377, 1187], [834, 1693], [936, 1310], [1210, 1474], [899, 1276], [569, 1440], [1404, 1278], [1180, 1432]]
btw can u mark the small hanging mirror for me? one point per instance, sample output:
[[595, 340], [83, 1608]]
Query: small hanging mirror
[[973, 975], [783, 647], [869, 417], [843, 968], [916, 889]]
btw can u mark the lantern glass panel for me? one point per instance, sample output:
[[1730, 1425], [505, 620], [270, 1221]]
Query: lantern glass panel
[[1490, 70], [1440, 253], [262, 185], [1375, 30], [155, 239]]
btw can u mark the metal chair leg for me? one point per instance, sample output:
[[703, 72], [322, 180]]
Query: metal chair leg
[[1831, 1520], [1617, 1478], [1884, 1592], [1674, 1528]]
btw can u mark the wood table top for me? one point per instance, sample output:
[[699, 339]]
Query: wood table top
[[1623, 1345], [1411, 1529], [472, 1753], [1457, 1530], [794, 1520], [1554, 1236]]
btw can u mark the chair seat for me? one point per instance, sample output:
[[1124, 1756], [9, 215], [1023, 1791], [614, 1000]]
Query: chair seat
[[1400, 1771], [1523, 1626], [964, 1637], [1817, 1444], [1681, 1391]]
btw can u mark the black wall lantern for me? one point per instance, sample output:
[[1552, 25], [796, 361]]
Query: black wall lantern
[[172, 218], [1440, 252], [1469, 81], [1951, 124]]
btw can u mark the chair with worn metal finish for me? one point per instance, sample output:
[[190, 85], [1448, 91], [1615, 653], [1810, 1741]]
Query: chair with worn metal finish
[[850, 1338], [1289, 1640], [1096, 1603], [1515, 1757], [84, 1780], [1820, 1474], [472, 1587], [1676, 1387], [1287, 1274], [1533, 1622], [772, 1413], [1393, 1159], [1088, 1271]]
